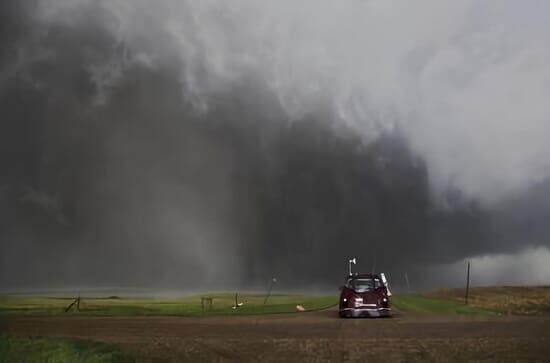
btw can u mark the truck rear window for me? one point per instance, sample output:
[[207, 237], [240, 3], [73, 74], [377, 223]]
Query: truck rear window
[[360, 285]]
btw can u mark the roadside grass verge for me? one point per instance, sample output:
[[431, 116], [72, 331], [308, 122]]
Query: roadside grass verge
[[424, 304], [58, 350], [222, 304], [508, 300]]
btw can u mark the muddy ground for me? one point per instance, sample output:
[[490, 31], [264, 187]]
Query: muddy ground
[[308, 337]]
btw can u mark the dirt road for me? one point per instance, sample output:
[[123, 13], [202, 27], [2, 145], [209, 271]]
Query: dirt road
[[315, 336]]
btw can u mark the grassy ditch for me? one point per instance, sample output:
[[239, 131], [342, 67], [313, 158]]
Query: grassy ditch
[[59, 350], [507, 300], [426, 304]]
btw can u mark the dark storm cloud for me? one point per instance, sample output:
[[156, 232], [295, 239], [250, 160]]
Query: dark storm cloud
[[183, 143]]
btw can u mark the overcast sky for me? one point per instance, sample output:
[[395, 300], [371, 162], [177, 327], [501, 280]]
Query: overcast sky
[[181, 144]]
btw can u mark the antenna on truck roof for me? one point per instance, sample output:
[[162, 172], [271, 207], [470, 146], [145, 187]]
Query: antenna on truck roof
[[352, 261]]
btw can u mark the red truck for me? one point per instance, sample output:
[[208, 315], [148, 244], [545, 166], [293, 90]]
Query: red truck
[[365, 295]]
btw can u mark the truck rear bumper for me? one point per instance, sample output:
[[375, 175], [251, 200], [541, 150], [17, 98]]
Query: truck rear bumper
[[365, 312]]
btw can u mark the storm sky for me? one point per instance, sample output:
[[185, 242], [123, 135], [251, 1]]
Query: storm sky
[[196, 144]]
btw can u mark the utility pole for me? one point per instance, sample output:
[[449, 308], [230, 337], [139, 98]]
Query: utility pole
[[467, 284]]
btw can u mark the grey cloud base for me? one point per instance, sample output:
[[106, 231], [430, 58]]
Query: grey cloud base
[[139, 166]]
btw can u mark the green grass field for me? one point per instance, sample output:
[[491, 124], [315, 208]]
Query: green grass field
[[424, 304], [222, 304], [67, 350], [508, 300], [58, 350]]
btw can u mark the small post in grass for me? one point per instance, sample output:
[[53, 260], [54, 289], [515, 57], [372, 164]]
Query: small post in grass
[[73, 303], [273, 281], [467, 284], [206, 302], [237, 303]]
